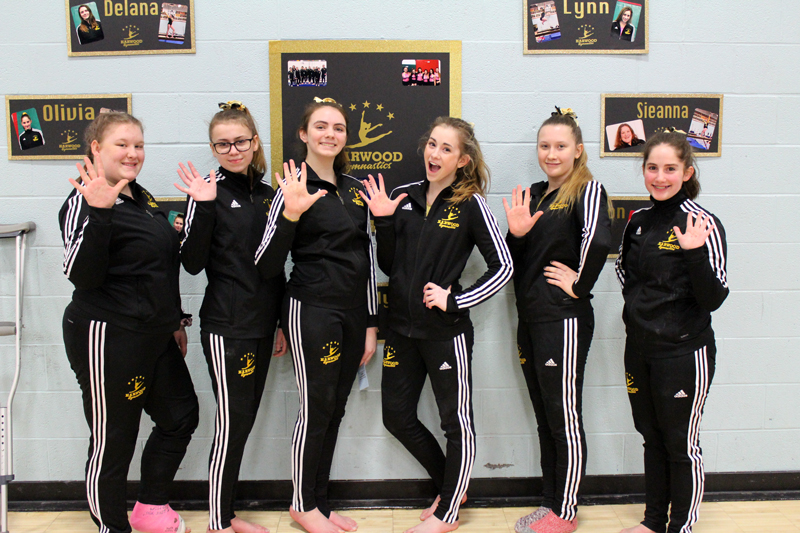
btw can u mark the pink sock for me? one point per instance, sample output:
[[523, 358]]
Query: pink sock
[[156, 519]]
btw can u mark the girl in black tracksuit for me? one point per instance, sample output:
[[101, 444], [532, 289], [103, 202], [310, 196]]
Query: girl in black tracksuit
[[330, 308], [226, 215], [426, 233], [122, 330], [559, 237], [672, 268]]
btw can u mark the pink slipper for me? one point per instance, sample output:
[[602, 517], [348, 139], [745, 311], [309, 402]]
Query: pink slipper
[[552, 523], [156, 519]]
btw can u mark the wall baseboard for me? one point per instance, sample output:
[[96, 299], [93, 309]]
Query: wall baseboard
[[414, 493]]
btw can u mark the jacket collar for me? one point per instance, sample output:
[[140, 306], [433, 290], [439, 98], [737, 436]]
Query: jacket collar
[[239, 181], [419, 191], [312, 178], [670, 203]]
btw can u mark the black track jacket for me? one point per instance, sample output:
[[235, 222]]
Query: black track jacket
[[331, 248], [222, 236], [669, 292], [579, 238], [414, 249], [123, 262]]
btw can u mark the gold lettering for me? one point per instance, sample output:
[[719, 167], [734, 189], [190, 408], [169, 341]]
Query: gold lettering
[[72, 113], [118, 10], [89, 113], [639, 109], [604, 8], [620, 213], [108, 6], [134, 9], [578, 10], [47, 113], [80, 111], [153, 8], [566, 8], [126, 8], [685, 112], [398, 156], [591, 8]]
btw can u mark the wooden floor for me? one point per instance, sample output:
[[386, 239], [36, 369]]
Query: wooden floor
[[727, 517]]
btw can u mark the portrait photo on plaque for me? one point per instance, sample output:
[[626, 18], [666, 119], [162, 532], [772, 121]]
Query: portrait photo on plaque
[[625, 135], [86, 19]]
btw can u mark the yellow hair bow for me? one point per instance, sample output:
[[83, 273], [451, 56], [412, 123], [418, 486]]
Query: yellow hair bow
[[325, 100], [566, 112], [232, 104]]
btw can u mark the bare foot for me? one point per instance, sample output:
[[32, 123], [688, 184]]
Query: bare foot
[[344, 522], [641, 528], [243, 526], [314, 521], [432, 509], [226, 530], [433, 525]]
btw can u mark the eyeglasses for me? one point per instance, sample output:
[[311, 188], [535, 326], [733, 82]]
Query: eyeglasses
[[242, 145]]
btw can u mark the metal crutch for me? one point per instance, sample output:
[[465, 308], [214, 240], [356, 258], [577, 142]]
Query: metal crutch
[[18, 232]]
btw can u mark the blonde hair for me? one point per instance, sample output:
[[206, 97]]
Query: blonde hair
[[474, 177], [241, 115], [571, 190], [97, 129]]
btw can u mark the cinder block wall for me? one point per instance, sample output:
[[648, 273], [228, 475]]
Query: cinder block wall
[[752, 420]]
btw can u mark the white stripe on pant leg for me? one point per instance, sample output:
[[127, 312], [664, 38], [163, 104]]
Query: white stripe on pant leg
[[97, 339], [467, 432], [693, 436], [219, 452], [301, 426], [569, 399]]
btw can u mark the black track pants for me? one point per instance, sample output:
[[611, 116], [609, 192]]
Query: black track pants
[[406, 364], [327, 347], [667, 396], [238, 370], [553, 358], [121, 373]]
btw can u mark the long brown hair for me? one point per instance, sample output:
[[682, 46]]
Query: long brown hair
[[474, 177], [241, 115], [571, 190], [683, 150], [619, 142], [622, 12], [342, 158], [86, 24]]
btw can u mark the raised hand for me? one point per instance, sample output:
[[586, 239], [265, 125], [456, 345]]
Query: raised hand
[[94, 187], [561, 276], [697, 231], [296, 198], [435, 296], [198, 188], [378, 201], [520, 220]]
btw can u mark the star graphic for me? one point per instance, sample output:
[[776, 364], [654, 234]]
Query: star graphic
[[379, 107], [366, 104], [352, 107], [390, 115]]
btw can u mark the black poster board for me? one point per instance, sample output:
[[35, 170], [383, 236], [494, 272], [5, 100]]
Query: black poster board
[[171, 206], [624, 206], [629, 119], [580, 27], [52, 126], [387, 112], [128, 27]]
